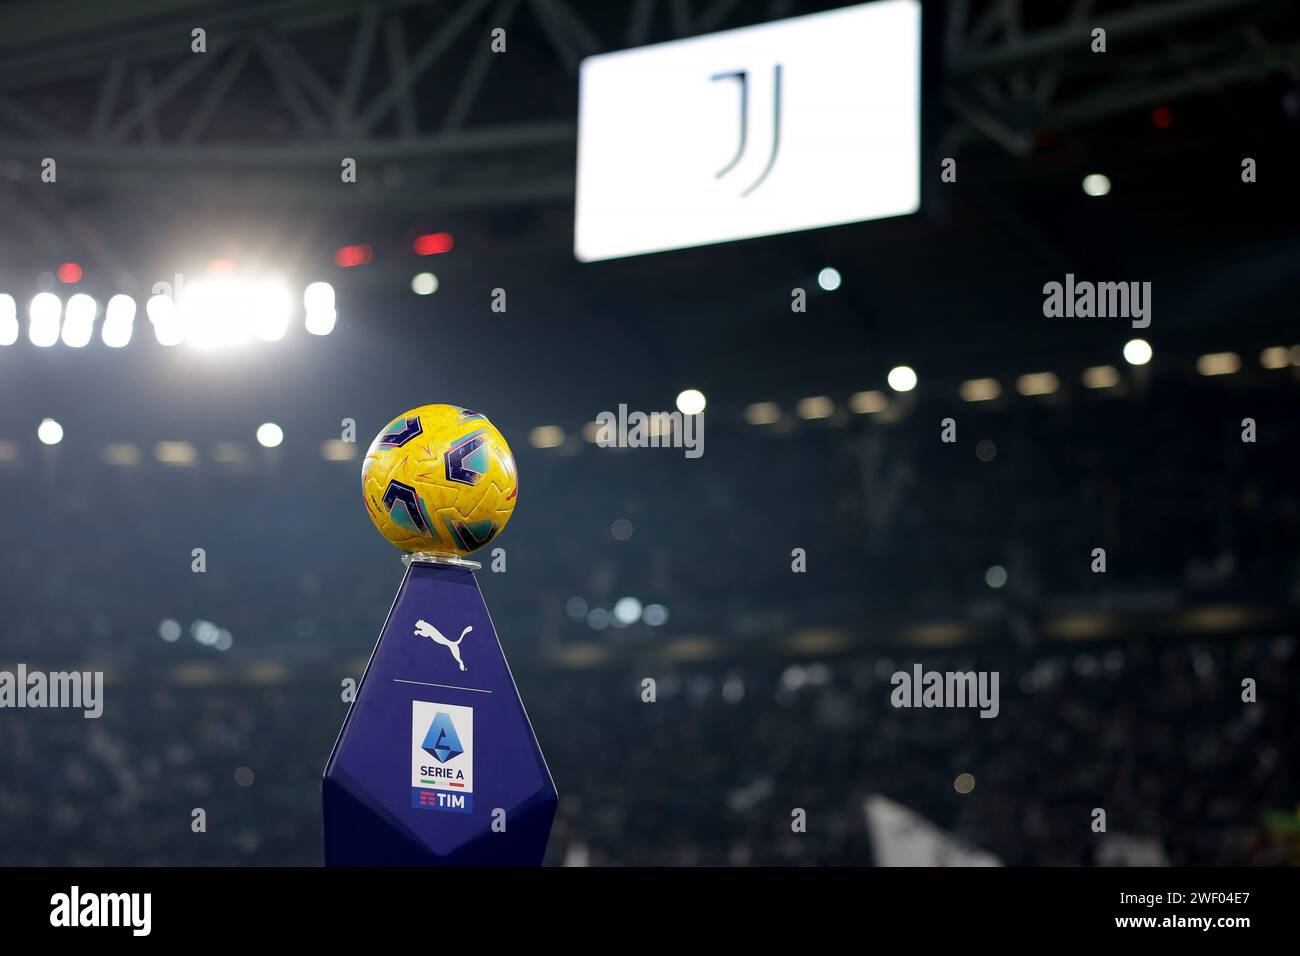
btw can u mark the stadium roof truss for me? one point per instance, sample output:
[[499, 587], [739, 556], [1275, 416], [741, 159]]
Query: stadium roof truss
[[290, 87]]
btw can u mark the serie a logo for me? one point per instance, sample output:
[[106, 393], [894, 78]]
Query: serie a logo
[[442, 757]]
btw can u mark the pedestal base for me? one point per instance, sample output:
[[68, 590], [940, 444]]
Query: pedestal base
[[437, 763]]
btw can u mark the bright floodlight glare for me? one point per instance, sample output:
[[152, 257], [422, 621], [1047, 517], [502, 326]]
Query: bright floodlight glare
[[424, 283], [829, 279], [902, 378], [691, 401], [321, 321], [271, 305], [8, 319], [627, 610], [44, 313], [167, 324], [218, 313], [79, 321], [49, 431], [1137, 352], [1096, 184], [119, 320], [270, 435], [318, 297]]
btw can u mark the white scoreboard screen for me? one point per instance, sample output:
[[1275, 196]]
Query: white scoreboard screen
[[796, 124]]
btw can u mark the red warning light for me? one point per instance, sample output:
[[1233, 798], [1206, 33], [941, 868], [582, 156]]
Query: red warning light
[[1162, 117], [348, 256], [433, 243], [69, 273]]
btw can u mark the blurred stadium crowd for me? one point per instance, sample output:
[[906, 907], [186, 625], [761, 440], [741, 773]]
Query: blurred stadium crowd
[[1152, 731], [1119, 690]]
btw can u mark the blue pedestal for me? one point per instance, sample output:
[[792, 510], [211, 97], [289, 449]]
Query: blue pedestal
[[437, 764]]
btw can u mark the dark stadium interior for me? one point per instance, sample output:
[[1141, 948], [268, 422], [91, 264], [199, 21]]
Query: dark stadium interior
[[1120, 690]]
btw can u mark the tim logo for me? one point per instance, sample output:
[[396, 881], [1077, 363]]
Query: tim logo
[[742, 78], [425, 629], [442, 757]]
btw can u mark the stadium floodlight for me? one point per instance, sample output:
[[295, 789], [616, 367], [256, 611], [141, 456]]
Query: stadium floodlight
[[1137, 352], [122, 454], [271, 305], [546, 436], [868, 403], [319, 296], [979, 390], [815, 407], [691, 401], [902, 378], [321, 322], [218, 313], [1096, 184], [1100, 376], [1219, 363], [166, 319], [180, 453], [655, 614], [762, 413], [318, 300], [119, 321], [1273, 357], [44, 314], [270, 435], [49, 432], [79, 321], [1038, 383], [8, 319], [627, 610]]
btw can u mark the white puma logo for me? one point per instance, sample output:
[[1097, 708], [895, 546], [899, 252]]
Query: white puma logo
[[425, 629]]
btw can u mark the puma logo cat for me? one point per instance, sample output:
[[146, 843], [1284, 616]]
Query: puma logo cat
[[425, 629]]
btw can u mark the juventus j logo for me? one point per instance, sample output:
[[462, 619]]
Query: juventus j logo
[[743, 77]]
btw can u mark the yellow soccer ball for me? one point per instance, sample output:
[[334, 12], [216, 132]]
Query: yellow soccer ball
[[440, 479]]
